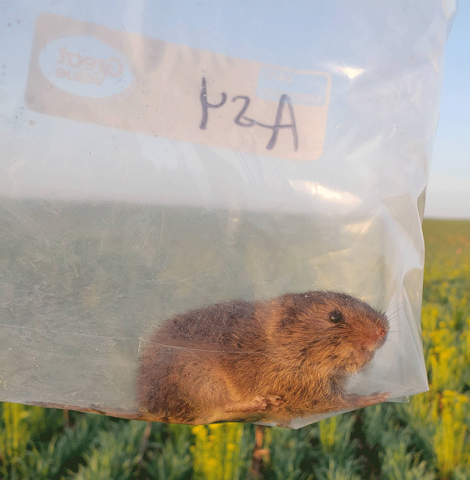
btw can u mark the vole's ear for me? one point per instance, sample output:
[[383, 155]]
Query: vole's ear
[[335, 316]]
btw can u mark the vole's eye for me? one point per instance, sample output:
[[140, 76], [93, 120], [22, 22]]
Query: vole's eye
[[336, 316]]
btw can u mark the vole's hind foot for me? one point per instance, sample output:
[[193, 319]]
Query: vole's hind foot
[[359, 401], [257, 405], [374, 398]]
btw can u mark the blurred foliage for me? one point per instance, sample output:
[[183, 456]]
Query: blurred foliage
[[427, 438], [169, 455], [221, 451]]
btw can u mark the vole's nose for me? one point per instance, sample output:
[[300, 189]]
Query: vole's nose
[[376, 338], [381, 332]]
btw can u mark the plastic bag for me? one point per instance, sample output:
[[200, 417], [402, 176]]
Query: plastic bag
[[158, 158]]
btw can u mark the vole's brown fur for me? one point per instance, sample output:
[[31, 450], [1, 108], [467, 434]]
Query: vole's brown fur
[[276, 360]]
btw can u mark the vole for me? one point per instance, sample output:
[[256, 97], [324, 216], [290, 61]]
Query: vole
[[272, 360]]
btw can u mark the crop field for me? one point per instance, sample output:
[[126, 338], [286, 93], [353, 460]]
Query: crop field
[[427, 438]]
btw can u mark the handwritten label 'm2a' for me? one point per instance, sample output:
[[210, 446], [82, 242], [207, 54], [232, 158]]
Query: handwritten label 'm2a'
[[243, 121]]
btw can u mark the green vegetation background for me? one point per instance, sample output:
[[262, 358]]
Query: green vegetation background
[[427, 438]]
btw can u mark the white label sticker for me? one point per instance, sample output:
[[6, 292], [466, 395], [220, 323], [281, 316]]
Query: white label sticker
[[94, 74], [84, 66]]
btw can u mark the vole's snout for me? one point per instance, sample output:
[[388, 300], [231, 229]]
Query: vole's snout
[[378, 337], [381, 332], [374, 339]]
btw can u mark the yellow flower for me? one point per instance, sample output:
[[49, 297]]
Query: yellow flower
[[198, 429], [217, 451]]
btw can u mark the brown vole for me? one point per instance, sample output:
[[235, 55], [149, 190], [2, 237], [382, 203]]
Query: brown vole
[[273, 361]]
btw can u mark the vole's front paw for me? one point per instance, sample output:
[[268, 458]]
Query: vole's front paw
[[274, 402], [259, 404], [268, 402]]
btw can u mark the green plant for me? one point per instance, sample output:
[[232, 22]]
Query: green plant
[[19, 424], [171, 459], [115, 454], [292, 454], [65, 451]]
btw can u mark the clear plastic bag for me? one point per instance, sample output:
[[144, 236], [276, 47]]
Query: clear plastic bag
[[159, 157]]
